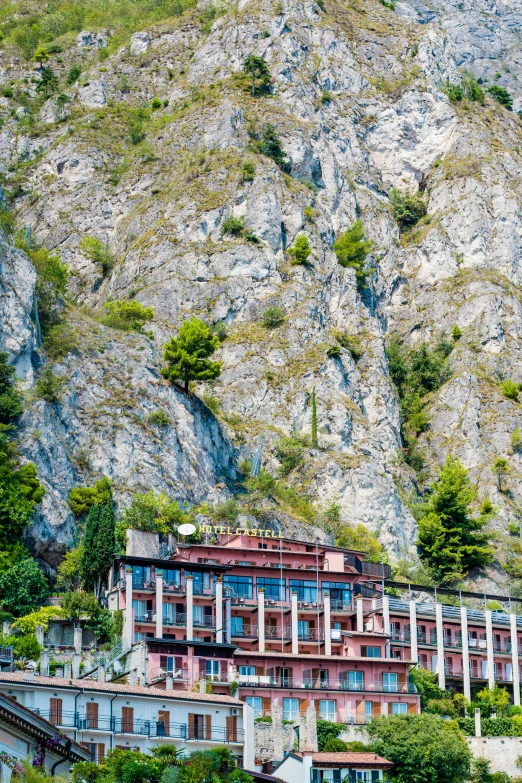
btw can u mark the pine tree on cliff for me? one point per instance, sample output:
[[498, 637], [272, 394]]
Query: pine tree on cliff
[[187, 355], [314, 421], [98, 547]]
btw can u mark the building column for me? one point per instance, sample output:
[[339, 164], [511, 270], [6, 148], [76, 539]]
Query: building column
[[465, 652], [219, 610], [360, 614], [190, 606], [129, 614], [414, 650], [295, 636], [386, 621], [514, 659], [228, 620], [261, 618], [489, 648], [159, 604], [327, 625], [440, 647]]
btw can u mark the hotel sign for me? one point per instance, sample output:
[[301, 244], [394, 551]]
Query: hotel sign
[[237, 531]]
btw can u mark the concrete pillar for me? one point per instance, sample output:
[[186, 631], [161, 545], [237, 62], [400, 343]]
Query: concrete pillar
[[6, 628], [203, 685], [228, 621], [489, 649], [360, 614], [440, 646], [478, 730], [44, 663], [76, 661], [219, 610], [190, 607], [67, 671], [386, 621], [101, 673], [295, 636], [327, 625], [465, 652], [169, 683], [39, 633], [78, 638], [159, 604], [514, 659], [133, 678], [384, 708], [129, 615], [414, 650], [261, 618]]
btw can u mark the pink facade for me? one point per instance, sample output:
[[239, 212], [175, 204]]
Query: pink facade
[[279, 622]]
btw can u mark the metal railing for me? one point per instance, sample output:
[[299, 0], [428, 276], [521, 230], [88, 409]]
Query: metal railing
[[160, 672], [453, 612], [310, 634], [149, 728], [377, 686], [176, 618], [246, 631], [278, 632], [6, 654]]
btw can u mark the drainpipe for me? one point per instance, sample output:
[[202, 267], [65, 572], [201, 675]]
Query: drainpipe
[[110, 719], [76, 713], [68, 745]]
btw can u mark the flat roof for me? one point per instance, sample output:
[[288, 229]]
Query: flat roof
[[310, 656], [347, 759]]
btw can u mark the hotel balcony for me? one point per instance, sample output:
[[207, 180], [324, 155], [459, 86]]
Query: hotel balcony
[[370, 686]]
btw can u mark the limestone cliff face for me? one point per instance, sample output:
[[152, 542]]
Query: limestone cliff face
[[357, 102]]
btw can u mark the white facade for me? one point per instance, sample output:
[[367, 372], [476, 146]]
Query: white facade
[[105, 716]]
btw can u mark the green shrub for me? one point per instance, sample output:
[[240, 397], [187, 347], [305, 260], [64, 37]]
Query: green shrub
[[82, 499], [159, 418], [74, 73], [516, 439], [98, 253], [352, 250], [128, 316], [60, 340], [309, 213], [233, 226], [250, 237], [510, 389], [136, 132], [300, 251], [220, 330], [408, 208], [335, 745], [271, 146], [351, 343], [325, 97], [48, 83], [289, 452], [248, 171], [468, 88], [333, 352], [327, 730], [273, 317], [103, 54], [212, 402], [50, 387], [257, 69], [156, 104], [456, 333], [52, 277], [7, 92], [502, 96]]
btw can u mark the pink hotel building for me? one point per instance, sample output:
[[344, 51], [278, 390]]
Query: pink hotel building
[[289, 624]]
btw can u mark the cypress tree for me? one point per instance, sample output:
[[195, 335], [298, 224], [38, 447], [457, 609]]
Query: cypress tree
[[99, 547]]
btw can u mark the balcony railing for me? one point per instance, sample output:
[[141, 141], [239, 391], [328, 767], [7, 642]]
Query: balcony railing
[[203, 622], [176, 618], [377, 686], [177, 674], [310, 634], [278, 632], [149, 728], [6, 654], [245, 632]]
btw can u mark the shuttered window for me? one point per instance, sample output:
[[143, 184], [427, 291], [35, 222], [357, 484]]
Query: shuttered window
[[55, 712], [91, 710], [127, 719]]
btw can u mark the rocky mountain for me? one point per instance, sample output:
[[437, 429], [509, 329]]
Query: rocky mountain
[[146, 153]]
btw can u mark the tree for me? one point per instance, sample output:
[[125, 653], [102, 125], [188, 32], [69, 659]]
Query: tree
[[510, 389], [257, 69], [358, 537], [153, 512], [187, 355], [48, 83], [41, 56], [26, 648], [50, 387], [99, 547], [451, 541], [27, 624], [273, 317], [481, 771], [98, 253], [327, 730], [424, 748], [74, 73], [23, 588], [501, 470], [492, 701], [301, 250], [408, 208], [69, 571], [502, 96], [271, 146], [314, 421], [10, 397], [335, 745], [82, 499], [76, 606], [351, 250], [426, 683]]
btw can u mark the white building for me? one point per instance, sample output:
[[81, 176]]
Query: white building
[[104, 715], [310, 767]]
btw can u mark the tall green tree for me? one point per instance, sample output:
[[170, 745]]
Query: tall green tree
[[424, 748], [99, 546], [23, 588], [187, 355], [451, 541], [10, 397], [352, 249], [79, 606], [314, 421]]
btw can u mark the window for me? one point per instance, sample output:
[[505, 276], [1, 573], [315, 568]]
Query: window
[[390, 682], [200, 582], [306, 590], [340, 594], [370, 652], [242, 586], [169, 611], [140, 610], [140, 576], [247, 671], [433, 636], [303, 629], [355, 681], [163, 723], [327, 710], [139, 637], [399, 709], [236, 626], [290, 709], [202, 616], [257, 705], [274, 588], [212, 669], [368, 707], [171, 576]]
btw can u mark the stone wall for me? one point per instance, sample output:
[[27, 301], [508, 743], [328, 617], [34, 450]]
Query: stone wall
[[501, 751], [273, 740]]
